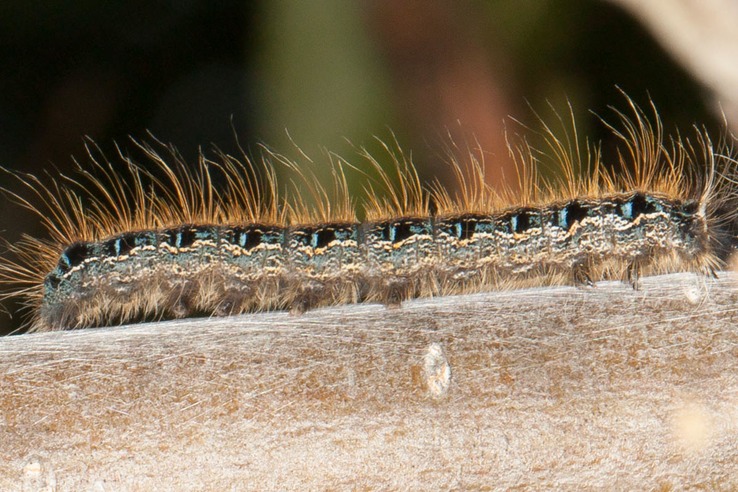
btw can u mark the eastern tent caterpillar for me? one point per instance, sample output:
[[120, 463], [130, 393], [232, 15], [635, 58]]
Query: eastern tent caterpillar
[[152, 247]]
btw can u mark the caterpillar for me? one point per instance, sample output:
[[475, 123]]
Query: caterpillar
[[126, 243]]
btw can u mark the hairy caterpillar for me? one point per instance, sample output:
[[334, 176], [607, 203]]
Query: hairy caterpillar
[[142, 244]]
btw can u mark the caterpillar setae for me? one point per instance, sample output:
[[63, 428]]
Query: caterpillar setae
[[127, 243]]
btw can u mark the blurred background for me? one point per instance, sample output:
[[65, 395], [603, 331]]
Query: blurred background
[[333, 74]]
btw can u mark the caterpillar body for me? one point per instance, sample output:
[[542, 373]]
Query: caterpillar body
[[151, 247]]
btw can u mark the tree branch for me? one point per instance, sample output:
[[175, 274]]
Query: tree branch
[[552, 387]]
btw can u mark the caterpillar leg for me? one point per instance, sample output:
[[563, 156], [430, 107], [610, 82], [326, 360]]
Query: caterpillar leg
[[181, 300], [309, 295], [394, 290], [233, 301], [633, 274], [582, 276]]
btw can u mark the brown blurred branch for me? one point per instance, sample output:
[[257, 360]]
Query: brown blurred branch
[[702, 36], [446, 80]]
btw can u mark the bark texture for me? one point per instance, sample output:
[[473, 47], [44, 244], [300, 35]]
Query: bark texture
[[542, 388]]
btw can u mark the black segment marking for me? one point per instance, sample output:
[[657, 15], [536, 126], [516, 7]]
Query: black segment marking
[[641, 205], [171, 236], [522, 220], [180, 237], [186, 237], [252, 239], [246, 238], [123, 244], [467, 229], [323, 237], [249, 237], [401, 231], [398, 231], [111, 247], [386, 231], [690, 207], [74, 255], [463, 227], [316, 237], [573, 213], [52, 281], [126, 243]]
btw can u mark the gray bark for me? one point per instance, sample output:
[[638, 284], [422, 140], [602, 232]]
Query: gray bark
[[542, 388]]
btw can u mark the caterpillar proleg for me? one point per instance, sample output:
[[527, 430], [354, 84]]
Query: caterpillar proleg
[[128, 244]]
